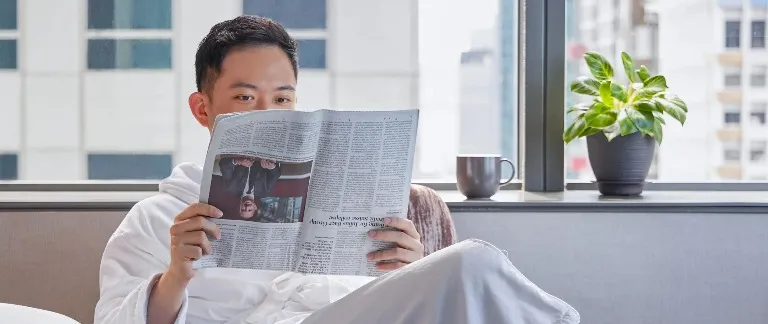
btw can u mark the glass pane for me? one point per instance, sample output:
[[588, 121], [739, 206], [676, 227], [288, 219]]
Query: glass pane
[[8, 54], [129, 166], [129, 14], [312, 53], [8, 12], [129, 75], [294, 14], [711, 54], [129, 54], [9, 167]]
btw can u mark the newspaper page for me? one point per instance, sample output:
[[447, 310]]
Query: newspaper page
[[300, 190]]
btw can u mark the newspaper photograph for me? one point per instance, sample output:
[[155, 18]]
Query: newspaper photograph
[[299, 191]]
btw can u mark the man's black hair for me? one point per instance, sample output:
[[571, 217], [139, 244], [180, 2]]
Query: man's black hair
[[243, 31]]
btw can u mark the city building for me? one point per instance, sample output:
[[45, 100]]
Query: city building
[[98, 89], [720, 69]]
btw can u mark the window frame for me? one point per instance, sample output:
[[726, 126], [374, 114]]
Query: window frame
[[541, 62]]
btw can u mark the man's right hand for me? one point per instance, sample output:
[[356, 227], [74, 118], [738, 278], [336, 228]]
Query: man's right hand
[[189, 239], [189, 242]]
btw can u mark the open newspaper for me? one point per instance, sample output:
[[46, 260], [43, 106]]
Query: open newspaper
[[300, 190]]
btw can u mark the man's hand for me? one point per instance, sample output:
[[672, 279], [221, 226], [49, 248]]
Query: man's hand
[[189, 242], [189, 239], [408, 249], [246, 162], [267, 164]]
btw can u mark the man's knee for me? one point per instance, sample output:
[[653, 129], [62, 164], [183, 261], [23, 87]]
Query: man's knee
[[469, 258]]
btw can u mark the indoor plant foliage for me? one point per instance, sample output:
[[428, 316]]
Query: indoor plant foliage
[[621, 122]]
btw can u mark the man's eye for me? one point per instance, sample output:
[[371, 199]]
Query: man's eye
[[283, 100], [244, 97]]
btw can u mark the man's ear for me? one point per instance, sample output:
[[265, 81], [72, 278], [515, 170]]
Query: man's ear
[[198, 104]]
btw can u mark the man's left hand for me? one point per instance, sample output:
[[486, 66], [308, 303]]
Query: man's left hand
[[409, 248], [267, 164]]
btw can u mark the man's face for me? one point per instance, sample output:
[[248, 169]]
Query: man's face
[[251, 78], [247, 207]]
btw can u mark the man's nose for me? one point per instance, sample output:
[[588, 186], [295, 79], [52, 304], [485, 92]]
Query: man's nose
[[262, 103]]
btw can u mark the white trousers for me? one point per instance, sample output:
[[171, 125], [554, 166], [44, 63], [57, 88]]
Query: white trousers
[[470, 282]]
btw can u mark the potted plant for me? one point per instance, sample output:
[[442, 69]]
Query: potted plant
[[622, 122]]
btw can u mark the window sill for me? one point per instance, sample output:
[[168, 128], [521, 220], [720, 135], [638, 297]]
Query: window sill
[[571, 201]]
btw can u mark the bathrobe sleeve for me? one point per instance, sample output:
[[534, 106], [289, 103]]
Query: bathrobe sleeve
[[132, 262]]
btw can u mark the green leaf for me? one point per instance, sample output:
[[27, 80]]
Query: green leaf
[[586, 86], [677, 101], [577, 127], [671, 108], [618, 92], [600, 119], [612, 131], [644, 105], [656, 81], [605, 93], [629, 67], [659, 117], [579, 108], [627, 127], [643, 73], [600, 67], [590, 131], [658, 133], [642, 120]]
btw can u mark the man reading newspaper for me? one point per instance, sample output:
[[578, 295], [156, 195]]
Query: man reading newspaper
[[147, 274]]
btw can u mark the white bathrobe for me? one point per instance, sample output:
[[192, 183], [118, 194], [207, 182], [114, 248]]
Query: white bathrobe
[[469, 282]]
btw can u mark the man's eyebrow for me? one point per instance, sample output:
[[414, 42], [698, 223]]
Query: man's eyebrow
[[253, 87]]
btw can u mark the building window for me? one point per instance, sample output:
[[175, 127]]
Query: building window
[[9, 167], [757, 115], [133, 34], [311, 53], [757, 78], [129, 54], [8, 14], [8, 54], [291, 14], [129, 14], [757, 152], [732, 79], [8, 25], [129, 166], [758, 34], [732, 118], [732, 34], [732, 154]]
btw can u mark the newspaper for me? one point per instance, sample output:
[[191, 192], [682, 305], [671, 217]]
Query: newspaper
[[300, 190]]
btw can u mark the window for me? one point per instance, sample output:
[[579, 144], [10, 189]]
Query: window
[[732, 151], [311, 53], [732, 34], [292, 14], [732, 117], [757, 115], [129, 166], [757, 151], [9, 166], [129, 54], [732, 79], [133, 34], [129, 14], [757, 78], [758, 34], [8, 34]]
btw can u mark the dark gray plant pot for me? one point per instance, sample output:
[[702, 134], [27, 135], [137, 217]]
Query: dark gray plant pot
[[621, 165]]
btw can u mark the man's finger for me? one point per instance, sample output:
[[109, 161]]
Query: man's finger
[[191, 252], [389, 266], [197, 223], [199, 209], [197, 238], [403, 224], [395, 254], [402, 239]]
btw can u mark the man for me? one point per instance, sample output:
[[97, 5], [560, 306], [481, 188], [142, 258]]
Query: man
[[242, 178], [249, 63]]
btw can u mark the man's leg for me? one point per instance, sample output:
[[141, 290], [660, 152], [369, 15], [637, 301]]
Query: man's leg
[[469, 282]]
